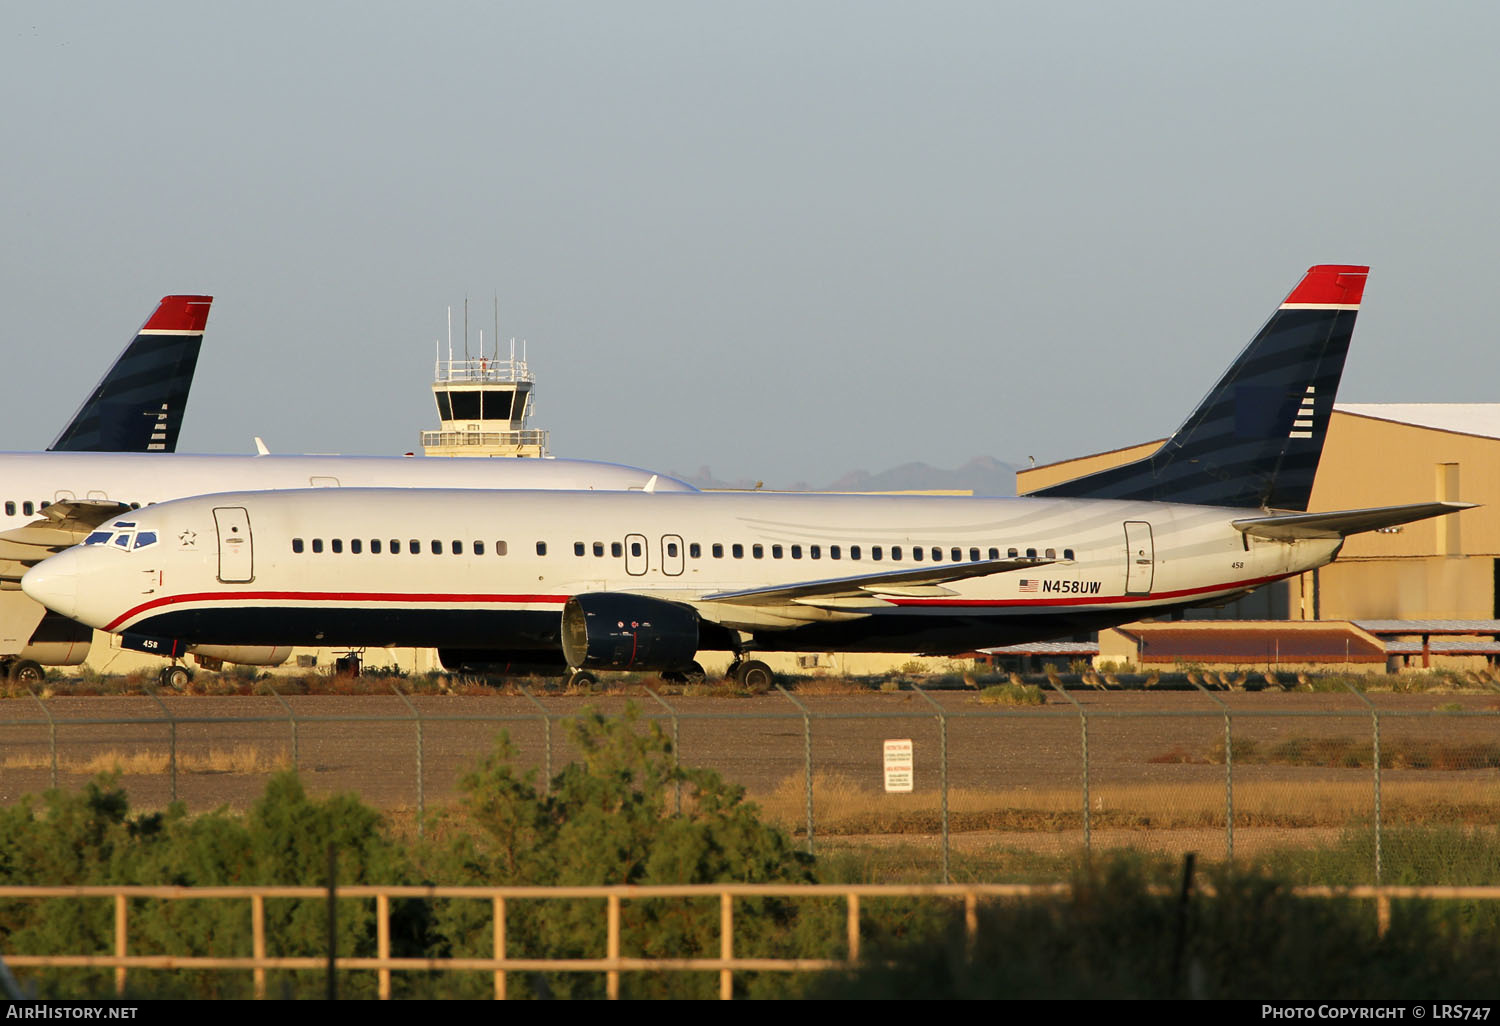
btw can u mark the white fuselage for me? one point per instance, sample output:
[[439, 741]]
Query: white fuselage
[[492, 570], [30, 479]]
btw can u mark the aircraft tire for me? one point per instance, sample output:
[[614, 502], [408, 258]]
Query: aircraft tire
[[24, 671], [694, 673], [582, 679], [754, 675], [175, 677]]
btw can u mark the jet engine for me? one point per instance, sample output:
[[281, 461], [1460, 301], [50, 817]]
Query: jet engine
[[606, 631]]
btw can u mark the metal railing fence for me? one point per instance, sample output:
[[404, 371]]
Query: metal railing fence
[[614, 960]]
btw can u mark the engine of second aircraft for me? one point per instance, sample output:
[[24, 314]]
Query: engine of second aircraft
[[606, 631]]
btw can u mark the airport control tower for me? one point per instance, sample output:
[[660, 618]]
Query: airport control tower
[[483, 403]]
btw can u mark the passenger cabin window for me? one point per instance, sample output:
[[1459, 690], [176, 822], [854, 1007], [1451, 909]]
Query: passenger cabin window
[[815, 551], [414, 546], [916, 553], [896, 552], [737, 551], [835, 552], [616, 549], [501, 548], [718, 551], [695, 551], [375, 546], [436, 547], [598, 548], [1051, 553], [796, 551], [337, 545], [27, 508], [356, 546], [974, 555], [317, 544], [757, 551], [635, 548], [456, 547], [853, 552], [672, 549], [578, 548], [10, 509], [1012, 553], [478, 547], [875, 552], [775, 551], [1067, 553], [1031, 553], [541, 548]]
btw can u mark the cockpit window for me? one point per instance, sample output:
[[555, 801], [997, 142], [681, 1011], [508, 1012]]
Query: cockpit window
[[98, 538], [124, 538], [145, 538]]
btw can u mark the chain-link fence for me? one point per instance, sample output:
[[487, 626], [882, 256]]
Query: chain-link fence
[[1385, 788]]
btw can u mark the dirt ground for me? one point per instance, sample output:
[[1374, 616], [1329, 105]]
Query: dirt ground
[[1014, 775]]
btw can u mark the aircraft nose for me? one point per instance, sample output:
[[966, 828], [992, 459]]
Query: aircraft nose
[[53, 583]]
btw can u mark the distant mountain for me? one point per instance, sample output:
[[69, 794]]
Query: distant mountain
[[983, 475]]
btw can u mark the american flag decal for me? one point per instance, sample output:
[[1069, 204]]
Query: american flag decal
[[1029, 586]]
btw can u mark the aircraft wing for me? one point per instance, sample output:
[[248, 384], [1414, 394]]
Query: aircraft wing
[[62, 525], [919, 581], [1338, 524]]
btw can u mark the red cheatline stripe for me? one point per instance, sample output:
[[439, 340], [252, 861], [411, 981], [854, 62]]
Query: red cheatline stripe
[[326, 596], [456, 599]]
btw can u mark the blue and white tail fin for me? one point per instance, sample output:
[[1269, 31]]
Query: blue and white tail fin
[[139, 403], [1255, 441]]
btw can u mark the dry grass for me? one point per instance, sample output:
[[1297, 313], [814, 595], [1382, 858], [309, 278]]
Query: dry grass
[[843, 807], [1344, 753], [240, 759]]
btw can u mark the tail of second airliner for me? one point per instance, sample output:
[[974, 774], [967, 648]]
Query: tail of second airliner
[[1255, 441], [138, 405]]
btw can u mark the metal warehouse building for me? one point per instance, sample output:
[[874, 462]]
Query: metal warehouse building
[[1446, 569]]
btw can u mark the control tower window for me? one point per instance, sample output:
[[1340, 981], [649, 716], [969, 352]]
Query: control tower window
[[445, 410], [465, 405], [497, 405]]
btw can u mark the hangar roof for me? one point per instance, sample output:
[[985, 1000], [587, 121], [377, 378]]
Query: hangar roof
[[1482, 419]]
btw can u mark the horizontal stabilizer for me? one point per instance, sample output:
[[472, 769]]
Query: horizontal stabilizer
[[894, 581], [1338, 524]]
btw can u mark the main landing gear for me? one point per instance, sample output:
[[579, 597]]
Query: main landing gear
[[750, 674]]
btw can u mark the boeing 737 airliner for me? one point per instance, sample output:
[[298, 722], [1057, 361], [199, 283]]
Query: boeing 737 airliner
[[646, 581]]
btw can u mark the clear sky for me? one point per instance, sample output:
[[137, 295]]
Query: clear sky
[[784, 240]]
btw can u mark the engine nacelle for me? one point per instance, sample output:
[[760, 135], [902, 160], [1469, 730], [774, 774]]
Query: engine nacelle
[[58, 641], [245, 655], [606, 631], [503, 662]]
